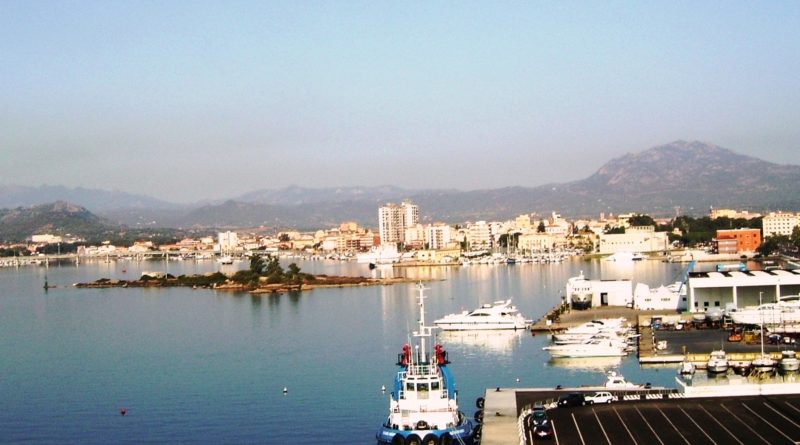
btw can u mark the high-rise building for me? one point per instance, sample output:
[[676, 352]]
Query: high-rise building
[[394, 219]]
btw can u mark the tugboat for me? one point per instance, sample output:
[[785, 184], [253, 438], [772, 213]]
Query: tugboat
[[423, 408]]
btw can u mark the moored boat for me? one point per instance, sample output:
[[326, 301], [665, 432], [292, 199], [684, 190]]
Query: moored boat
[[500, 315], [423, 407], [789, 361], [717, 362]]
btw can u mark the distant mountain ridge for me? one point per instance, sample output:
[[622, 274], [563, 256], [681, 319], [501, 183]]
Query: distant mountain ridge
[[98, 200], [691, 175]]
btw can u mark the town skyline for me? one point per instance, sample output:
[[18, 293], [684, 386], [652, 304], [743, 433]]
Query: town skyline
[[218, 100]]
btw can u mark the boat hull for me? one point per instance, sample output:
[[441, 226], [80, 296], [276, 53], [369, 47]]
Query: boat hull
[[460, 434], [456, 326]]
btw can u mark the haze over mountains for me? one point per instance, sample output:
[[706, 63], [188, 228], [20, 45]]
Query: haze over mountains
[[689, 175]]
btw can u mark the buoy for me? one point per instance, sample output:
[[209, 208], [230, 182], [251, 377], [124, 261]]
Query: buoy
[[123, 411], [383, 388], [285, 390], [517, 379]]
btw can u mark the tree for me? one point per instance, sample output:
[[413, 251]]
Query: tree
[[641, 220], [541, 227], [257, 264]]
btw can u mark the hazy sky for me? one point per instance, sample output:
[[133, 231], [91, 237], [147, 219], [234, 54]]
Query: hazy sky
[[191, 100]]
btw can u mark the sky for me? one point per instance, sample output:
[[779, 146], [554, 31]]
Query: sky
[[191, 100]]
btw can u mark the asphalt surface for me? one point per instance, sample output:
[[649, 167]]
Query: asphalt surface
[[715, 420]]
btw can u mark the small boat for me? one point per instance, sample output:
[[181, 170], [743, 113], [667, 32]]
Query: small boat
[[686, 369], [742, 368], [764, 364], [789, 361], [617, 381], [717, 362], [423, 407], [500, 315], [225, 259]]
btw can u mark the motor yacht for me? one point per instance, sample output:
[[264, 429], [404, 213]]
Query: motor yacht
[[581, 333], [500, 315], [785, 311], [598, 346]]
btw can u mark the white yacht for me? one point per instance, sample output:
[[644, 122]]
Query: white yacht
[[383, 254], [590, 329], [784, 311], [500, 315], [789, 361], [717, 362], [600, 346]]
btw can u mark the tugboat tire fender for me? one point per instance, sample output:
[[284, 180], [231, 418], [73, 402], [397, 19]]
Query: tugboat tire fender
[[479, 402], [478, 416], [430, 439], [413, 439], [398, 439], [446, 439]]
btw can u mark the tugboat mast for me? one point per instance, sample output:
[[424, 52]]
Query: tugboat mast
[[424, 331]]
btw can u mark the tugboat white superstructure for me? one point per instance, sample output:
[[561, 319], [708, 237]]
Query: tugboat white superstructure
[[423, 407]]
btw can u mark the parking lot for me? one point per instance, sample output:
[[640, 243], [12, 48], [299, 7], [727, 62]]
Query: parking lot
[[717, 420]]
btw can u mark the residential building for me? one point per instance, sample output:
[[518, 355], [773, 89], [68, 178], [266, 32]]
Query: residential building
[[779, 223], [228, 241], [479, 235], [437, 235], [394, 219]]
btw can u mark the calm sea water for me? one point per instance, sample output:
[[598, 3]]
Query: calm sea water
[[196, 366]]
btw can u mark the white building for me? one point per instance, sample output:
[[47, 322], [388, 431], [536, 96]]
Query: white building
[[779, 223], [437, 236], [479, 235], [599, 292], [740, 289], [634, 240], [46, 239], [536, 242], [394, 219], [228, 241]]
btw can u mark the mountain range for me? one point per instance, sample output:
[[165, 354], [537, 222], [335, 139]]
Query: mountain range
[[690, 175]]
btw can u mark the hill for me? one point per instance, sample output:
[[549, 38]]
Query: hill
[[59, 218]]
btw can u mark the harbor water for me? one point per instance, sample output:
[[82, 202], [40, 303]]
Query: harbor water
[[203, 366]]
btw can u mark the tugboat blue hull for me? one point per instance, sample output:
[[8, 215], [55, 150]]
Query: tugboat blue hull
[[458, 435]]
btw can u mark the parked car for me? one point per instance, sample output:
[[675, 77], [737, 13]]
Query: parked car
[[572, 399], [543, 431], [537, 417], [599, 397]]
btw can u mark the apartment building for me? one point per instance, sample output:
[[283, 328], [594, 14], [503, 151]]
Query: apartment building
[[779, 223], [393, 220]]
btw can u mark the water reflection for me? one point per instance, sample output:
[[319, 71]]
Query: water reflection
[[600, 364], [498, 341]]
